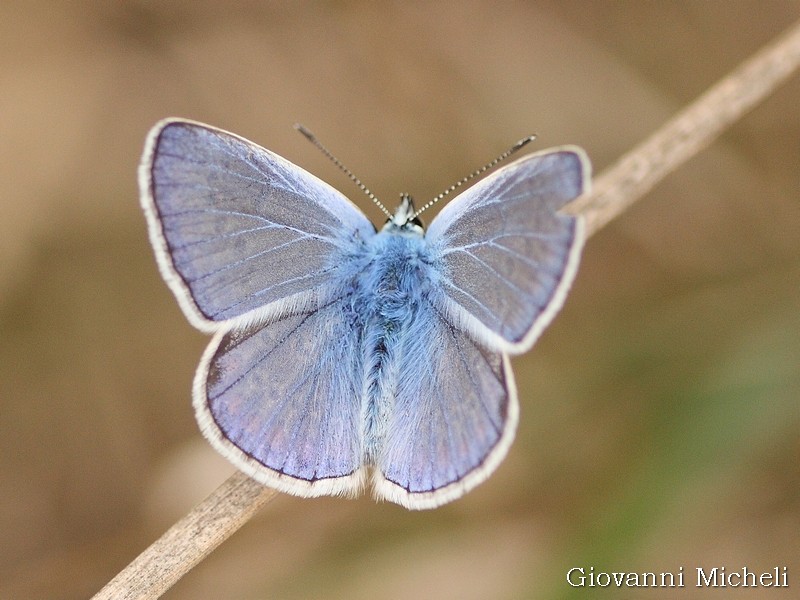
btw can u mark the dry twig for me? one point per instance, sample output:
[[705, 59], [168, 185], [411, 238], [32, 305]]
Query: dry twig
[[189, 541]]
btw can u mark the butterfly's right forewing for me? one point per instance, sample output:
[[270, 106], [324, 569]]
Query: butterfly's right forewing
[[508, 252]]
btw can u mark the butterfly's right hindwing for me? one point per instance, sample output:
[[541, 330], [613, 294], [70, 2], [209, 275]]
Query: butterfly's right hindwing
[[238, 231], [454, 415]]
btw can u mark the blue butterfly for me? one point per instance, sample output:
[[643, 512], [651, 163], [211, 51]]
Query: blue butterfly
[[343, 356]]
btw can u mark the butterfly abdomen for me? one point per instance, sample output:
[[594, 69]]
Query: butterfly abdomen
[[392, 289]]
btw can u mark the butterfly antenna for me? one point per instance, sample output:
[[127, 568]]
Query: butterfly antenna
[[474, 174], [313, 139]]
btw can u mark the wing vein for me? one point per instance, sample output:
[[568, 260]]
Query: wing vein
[[469, 372]]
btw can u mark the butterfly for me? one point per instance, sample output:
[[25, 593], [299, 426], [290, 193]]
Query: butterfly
[[343, 356]]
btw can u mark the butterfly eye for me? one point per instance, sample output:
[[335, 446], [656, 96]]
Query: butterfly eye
[[404, 218], [413, 225]]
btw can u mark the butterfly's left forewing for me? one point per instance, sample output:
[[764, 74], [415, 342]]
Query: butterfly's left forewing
[[239, 232]]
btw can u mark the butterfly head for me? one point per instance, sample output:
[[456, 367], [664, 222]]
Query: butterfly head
[[404, 219]]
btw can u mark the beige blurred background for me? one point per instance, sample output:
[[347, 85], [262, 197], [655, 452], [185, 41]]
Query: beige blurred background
[[659, 413]]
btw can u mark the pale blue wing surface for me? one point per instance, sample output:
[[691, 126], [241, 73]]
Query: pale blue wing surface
[[281, 401], [235, 226], [507, 254], [454, 415]]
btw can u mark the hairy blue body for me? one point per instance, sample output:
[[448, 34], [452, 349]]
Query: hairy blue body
[[391, 290]]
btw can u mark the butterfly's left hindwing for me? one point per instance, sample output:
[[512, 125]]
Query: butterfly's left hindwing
[[239, 232], [282, 401]]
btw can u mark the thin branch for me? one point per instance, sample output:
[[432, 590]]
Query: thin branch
[[232, 504], [189, 541], [690, 131]]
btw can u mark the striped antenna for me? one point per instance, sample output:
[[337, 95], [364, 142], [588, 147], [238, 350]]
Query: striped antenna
[[474, 174], [313, 139]]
